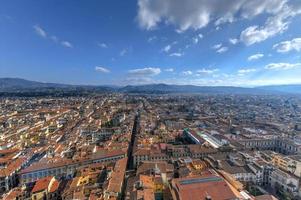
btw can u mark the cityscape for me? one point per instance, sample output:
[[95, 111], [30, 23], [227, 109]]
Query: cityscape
[[150, 100], [129, 146]]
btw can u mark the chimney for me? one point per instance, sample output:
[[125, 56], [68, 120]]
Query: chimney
[[208, 197]]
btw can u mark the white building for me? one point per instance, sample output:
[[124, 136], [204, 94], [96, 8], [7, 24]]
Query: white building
[[282, 180]]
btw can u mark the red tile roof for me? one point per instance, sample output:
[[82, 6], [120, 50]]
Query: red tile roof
[[47, 183], [13, 166], [200, 187]]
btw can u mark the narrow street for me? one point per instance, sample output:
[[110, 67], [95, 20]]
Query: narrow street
[[135, 131], [130, 163]]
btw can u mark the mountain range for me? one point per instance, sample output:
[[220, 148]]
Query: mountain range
[[18, 85]]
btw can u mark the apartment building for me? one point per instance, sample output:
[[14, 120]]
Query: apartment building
[[65, 167], [282, 145]]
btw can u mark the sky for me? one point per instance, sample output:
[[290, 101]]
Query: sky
[[114, 42]]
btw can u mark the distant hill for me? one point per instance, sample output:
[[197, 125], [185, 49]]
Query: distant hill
[[18, 83], [296, 89], [16, 86], [164, 88]]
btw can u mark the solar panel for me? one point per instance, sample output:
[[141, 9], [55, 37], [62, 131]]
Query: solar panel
[[200, 180]]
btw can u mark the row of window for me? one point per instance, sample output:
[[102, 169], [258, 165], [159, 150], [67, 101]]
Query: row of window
[[62, 171]]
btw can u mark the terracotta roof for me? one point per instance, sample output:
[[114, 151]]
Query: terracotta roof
[[117, 176], [46, 165], [12, 167], [146, 166], [142, 152], [147, 181], [199, 188], [65, 162], [146, 194], [8, 151], [48, 183], [13, 194]]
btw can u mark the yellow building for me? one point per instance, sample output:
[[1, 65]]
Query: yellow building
[[290, 164]]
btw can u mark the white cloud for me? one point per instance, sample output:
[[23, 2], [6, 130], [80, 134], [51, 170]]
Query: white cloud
[[166, 48], [148, 71], [195, 40], [102, 45], [257, 7], [102, 69], [176, 54], [186, 73], [169, 70], [196, 14], [226, 18], [282, 66], [217, 46], [274, 25], [290, 45], [246, 71], [222, 50], [233, 41], [207, 71], [41, 32], [256, 34], [255, 57], [67, 44], [142, 75]]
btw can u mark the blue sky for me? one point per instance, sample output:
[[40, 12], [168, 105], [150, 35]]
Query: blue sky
[[113, 42]]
